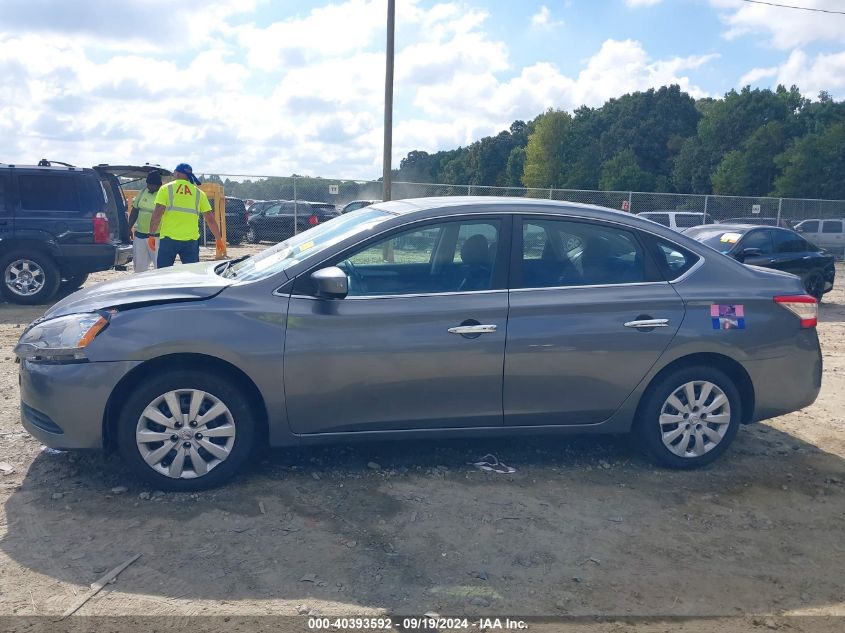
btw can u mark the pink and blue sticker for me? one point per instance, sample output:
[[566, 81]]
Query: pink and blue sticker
[[727, 317]]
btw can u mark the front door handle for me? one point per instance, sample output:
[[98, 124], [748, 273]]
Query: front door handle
[[648, 323], [472, 329]]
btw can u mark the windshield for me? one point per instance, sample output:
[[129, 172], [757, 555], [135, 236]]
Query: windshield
[[292, 251], [720, 239]]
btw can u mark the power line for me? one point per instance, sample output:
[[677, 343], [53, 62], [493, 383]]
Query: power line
[[789, 6]]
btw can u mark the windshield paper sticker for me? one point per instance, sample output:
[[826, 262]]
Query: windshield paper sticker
[[730, 238], [727, 317]]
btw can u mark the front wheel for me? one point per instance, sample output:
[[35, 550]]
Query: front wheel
[[186, 430], [29, 277], [689, 417], [252, 235]]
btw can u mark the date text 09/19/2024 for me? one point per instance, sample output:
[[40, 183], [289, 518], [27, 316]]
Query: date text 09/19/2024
[[416, 623]]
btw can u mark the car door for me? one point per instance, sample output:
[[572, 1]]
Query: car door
[[763, 253], [266, 223], [7, 217], [590, 314], [794, 254], [831, 237], [419, 341]]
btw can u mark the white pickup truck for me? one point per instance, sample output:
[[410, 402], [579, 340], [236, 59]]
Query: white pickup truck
[[826, 234]]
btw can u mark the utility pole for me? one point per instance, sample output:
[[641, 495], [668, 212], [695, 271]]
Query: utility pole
[[388, 101]]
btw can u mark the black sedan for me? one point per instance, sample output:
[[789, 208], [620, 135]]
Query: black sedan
[[285, 218], [771, 247]]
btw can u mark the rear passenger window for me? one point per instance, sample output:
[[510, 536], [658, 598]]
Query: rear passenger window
[[831, 226], [48, 193], [579, 254], [672, 260], [789, 242]]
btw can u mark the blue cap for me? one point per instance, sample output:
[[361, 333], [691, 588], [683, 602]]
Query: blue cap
[[185, 168]]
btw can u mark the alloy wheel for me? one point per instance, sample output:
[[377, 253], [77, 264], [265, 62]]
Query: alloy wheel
[[185, 433], [694, 418], [25, 277]]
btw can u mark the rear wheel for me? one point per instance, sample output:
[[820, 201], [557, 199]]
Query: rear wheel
[[29, 277], [814, 284], [689, 417], [186, 430]]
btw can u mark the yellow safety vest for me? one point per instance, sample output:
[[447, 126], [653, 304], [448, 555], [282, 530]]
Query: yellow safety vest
[[145, 202], [183, 202]]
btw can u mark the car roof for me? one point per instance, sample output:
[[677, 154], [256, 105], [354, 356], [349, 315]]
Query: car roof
[[673, 212], [426, 208]]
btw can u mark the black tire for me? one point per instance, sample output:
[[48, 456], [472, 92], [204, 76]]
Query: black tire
[[648, 430], [74, 282], [49, 276], [252, 235], [814, 284], [219, 387]]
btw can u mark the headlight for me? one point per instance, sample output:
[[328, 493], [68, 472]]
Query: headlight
[[62, 338]]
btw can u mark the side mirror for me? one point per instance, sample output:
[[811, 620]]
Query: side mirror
[[331, 283], [798, 229], [748, 252]]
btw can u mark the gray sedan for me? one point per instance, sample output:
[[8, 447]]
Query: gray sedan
[[418, 319]]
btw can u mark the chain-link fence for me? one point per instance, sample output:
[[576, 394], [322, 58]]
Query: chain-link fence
[[297, 199]]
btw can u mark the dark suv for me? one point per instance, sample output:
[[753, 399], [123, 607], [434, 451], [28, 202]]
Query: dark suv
[[58, 223]]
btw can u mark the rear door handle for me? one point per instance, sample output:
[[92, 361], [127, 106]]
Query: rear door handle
[[648, 323], [472, 329]]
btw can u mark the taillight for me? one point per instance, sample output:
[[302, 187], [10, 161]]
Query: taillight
[[101, 228], [804, 307], [313, 220]]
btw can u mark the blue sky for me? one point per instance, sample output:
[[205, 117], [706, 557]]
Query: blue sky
[[270, 87]]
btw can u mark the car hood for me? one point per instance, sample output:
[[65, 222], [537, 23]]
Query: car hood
[[177, 283]]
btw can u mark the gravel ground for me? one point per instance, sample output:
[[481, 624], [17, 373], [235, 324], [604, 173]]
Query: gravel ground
[[585, 526]]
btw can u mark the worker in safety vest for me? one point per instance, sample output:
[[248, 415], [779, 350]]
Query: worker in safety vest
[[176, 219], [144, 256]]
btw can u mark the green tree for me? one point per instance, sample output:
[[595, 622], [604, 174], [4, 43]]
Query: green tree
[[515, 167], [814, 166], [545, 154], [751, 171], [623, 173]]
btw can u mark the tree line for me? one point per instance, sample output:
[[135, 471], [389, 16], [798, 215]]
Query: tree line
[[748, 143]]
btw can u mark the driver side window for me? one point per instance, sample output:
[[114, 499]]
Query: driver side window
[[433, 258]]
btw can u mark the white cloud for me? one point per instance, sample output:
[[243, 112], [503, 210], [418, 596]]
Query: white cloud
[[783, 28], [811, 74], [298, 94], [543, 19], [642, 3]]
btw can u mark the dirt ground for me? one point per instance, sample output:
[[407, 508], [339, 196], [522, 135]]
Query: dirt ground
[[584, 527]]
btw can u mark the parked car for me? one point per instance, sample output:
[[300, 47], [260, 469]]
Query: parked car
[[337, 334], [772, 247], [236, 220], [276, 222], [759, 221], [677, 220], [357, 204], [827, 234], [58, 223], [256, 205]]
